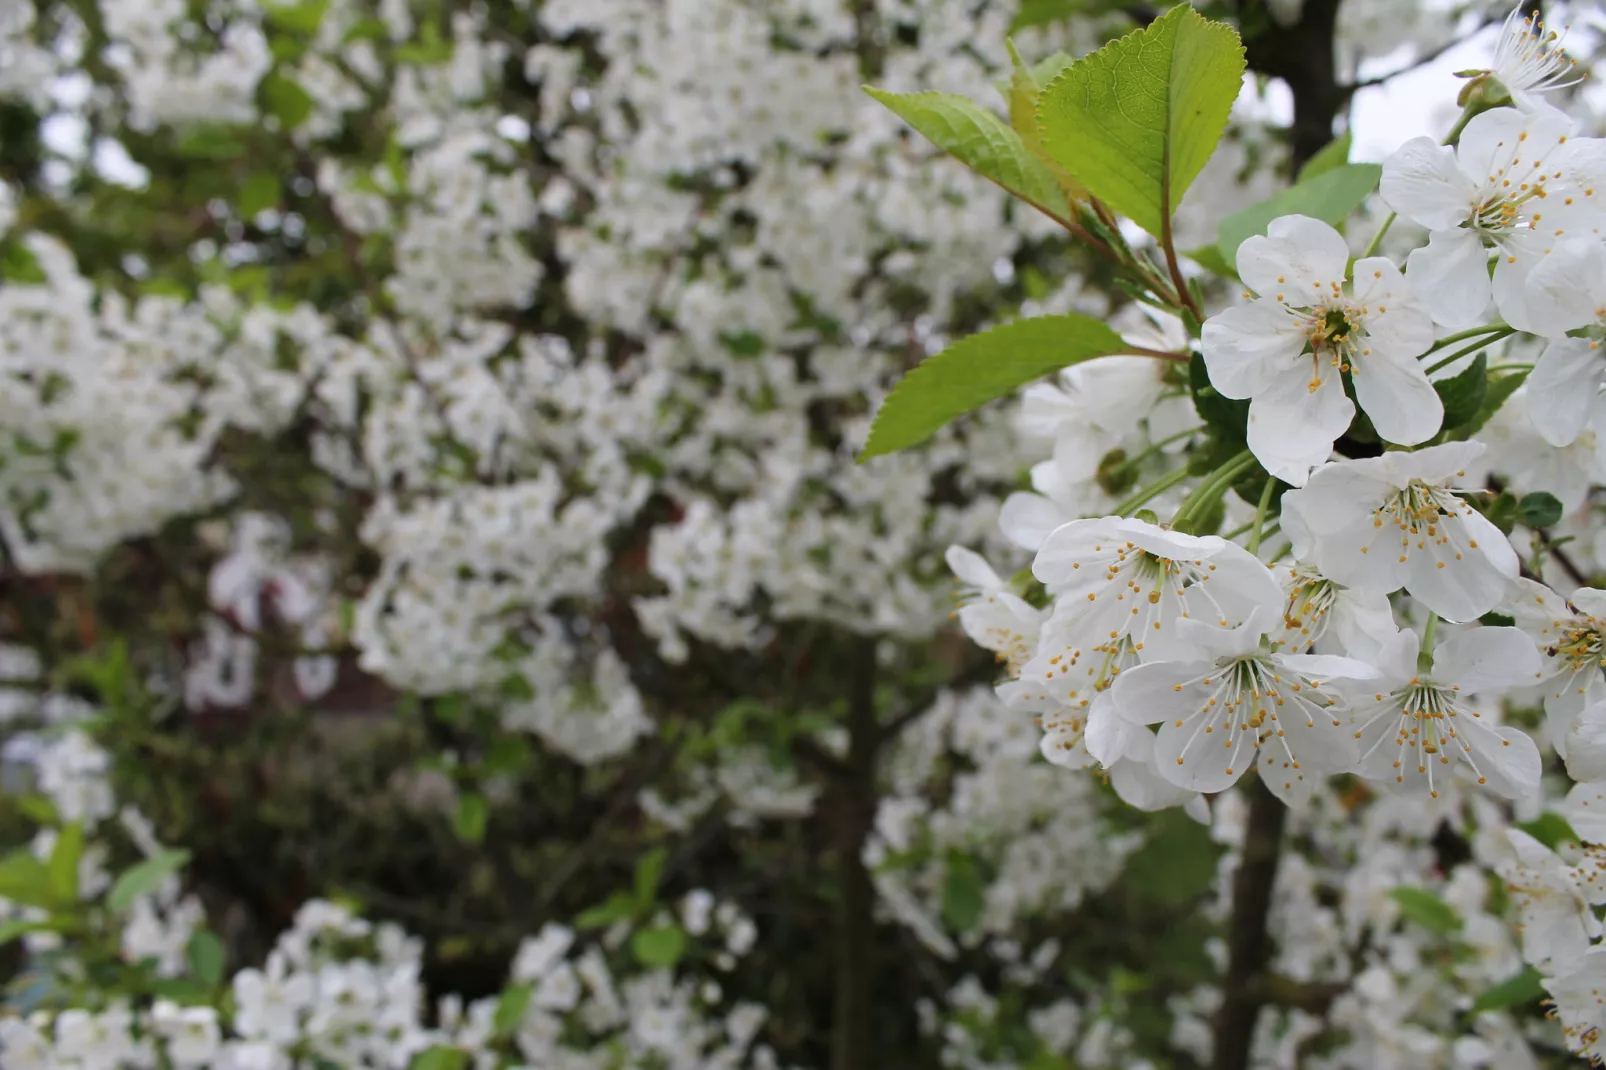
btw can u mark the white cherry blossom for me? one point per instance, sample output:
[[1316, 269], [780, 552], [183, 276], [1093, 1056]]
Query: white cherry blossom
[[1578, 998], [1518, 184], [1570, 633], [1324, 617], [1553, 901], [1567, 292], [1529, 61], [1290, 349], [994, 617], [1382, 523], [1233, 701], [1415, 728]]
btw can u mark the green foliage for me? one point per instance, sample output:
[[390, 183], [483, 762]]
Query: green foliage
[[1227, 417], [1329, 196], [1499, 389], [26, 880], [1539, 510], [659, 947], [981, 141], [144, 878], [470, 817], [1515, 991], [1427, 910], [1332, 155], [204, 953], [64, 859], [1550, 829], [1177, 864], [1136, 121], [510, 1008], [1463, 393], [978, 369], [260, 192], [285, 100], [964, 892], [441, 1057]]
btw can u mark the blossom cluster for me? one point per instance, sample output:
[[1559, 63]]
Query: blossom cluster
[[1285, 623]]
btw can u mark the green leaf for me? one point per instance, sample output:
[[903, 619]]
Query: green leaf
[[1539, 510], [301, 19], [1463, 393], [472, 814], [1514, 991], [204, 952], [441, 1057], [1209, 257], [64, 859], [1498, 392], [658, 948], [1227, 416], [982, 141], [26, 880], [618, 906], [15, 930], [1042, 12], [1025, 87], [975, 370], [285, 100], [1550, 829], [510, 1008], [1136, 121], [1426, 909], [1332, 155], [144, 878], [211, 141], [1330, 197], [964, 895], [259, 193], [649, 872]]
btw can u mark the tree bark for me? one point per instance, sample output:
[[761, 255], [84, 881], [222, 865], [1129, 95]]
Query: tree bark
[[853, 805], [1243, 987]]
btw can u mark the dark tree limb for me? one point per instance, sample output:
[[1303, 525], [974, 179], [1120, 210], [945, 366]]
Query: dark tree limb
[[851, 809], [1244, 988]]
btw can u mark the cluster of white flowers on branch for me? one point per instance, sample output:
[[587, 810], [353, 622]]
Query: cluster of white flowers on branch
[[1340, 488]]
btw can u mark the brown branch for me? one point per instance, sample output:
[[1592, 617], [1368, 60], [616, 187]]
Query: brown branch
[[1244, 987], [851, 810]]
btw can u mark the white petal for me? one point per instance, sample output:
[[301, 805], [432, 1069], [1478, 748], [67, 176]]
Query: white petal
[[1490, 140], [1111, 737], [1396, 394], [1396, 658], [1292, 428], [972, 568], [1567, 289], [1298, 254], [1436, 464], [1450, 275], [1423, 183], [1140, 785], [1026, 519], [1585, 811], [1513, 768], [1590, 601], [1562, 388], [1486, 659], [1147, 694], [1189, 758], [1515, 261], [1455, 580], [1586, 746], [1246, 346], [1328, 667]]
